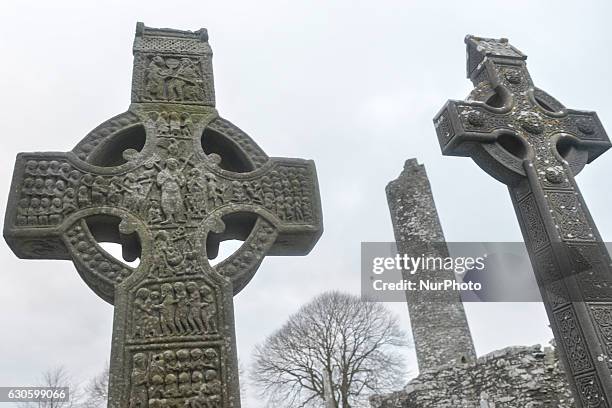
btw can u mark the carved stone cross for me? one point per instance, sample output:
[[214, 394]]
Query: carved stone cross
[[169, 180], [528, 140]]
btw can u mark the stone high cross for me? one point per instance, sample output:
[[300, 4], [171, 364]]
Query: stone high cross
[[526, 139], [169, 179]]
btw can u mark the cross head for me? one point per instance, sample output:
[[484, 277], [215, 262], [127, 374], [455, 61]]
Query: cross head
[[529, 141], [169, 179]]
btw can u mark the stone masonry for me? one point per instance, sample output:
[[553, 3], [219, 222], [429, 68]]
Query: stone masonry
[[439, 326], [515, 377]]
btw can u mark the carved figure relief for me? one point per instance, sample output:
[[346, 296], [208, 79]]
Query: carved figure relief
[[184, 377], [173, 79], [164, 191], [528, 140], [174, 309], [150, 171]]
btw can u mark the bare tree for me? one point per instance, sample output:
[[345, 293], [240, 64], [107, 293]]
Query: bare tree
[[356, 343], [57, 377], [96, 391], [93, 395]]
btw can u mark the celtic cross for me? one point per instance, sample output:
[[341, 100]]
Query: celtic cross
[[169, 180], [529, 141]]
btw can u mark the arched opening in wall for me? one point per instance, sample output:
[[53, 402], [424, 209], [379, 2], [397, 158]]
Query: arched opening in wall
[[126, 248], [513, 144], [110, 152], [238, 226], [232, 157]]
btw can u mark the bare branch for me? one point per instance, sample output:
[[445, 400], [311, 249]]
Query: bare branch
[[357, 342]]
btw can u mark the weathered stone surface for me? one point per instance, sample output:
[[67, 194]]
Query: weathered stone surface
[[515, 377], [439, 325], [168, 179], [528, 140]]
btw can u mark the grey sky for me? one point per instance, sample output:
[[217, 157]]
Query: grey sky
[[351, 84]]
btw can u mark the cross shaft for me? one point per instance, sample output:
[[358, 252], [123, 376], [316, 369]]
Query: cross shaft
[[169, 180], [529, 141]]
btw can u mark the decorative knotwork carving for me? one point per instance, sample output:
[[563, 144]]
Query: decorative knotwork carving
[[173, 194], [528, 140]]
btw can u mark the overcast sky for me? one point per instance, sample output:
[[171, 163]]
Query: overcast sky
[[353, 85]]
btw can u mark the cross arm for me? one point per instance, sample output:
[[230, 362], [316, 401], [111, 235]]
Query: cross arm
[[460, 122], [586, 131], [33, 215], [286, 193], [45, 219]]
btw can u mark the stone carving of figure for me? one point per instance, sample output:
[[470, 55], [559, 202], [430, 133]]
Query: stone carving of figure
[[33, 211], [153, 325], [238, 192], [155, 78], [154, 213], [83, 194], [190, 76], [59, 188], [184, 387], [208, 310], [173, 148], [195, 308], [98, 191], [254, 192], [186, 125], [170, 361], [170, 180], [144, 309], [55, 212], [159, 267], [216, 191], [196, 381], [115, 191], [167, 310], [131, 190], [163, 125], [139, 395], [28, 186], [196, 192], [69, 201], [54, 168], [210, 358], [50, 187], [156, 390], [43, 218], [212, 388], [22, 211], [182, 308], [183, 361], [171, 389], [39, 187], [157, 366], [31, 167], [175, 82], [197, 362]]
